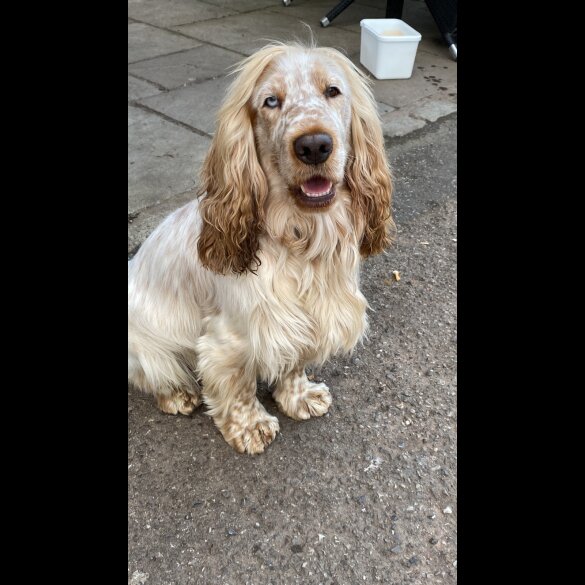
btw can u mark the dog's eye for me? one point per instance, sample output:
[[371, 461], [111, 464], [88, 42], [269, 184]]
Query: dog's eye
[[332, 91], [272, 102]]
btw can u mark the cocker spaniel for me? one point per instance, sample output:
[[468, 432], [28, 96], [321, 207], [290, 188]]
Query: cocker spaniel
[[259, 276]]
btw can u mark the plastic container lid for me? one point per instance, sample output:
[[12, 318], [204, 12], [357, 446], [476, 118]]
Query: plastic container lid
[[390, 30]]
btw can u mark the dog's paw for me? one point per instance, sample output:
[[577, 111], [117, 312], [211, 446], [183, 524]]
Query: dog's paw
[[180, 401], [251, 434], [305, 400]]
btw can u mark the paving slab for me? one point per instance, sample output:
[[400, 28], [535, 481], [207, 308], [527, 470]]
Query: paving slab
[[167, 13], [145, 42], [196, 105], [434, 107], [248, 32], [430, 73], [384, 108], [398, 92], [440, 67], [192, 66], [400, 122], [414, 116], [247, 6], [163, 159], [137, 88]]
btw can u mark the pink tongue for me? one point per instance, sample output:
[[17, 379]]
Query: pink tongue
[[316, 186]]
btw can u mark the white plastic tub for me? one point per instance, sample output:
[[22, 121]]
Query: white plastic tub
[[388, 47]]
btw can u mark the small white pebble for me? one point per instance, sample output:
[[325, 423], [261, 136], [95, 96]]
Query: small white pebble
[[448, 510], [138, 578]]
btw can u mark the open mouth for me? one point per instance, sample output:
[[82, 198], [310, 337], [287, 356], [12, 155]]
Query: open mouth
[[316, 192]]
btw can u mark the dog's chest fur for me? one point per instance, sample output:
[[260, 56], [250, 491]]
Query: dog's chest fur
[[312, 307], [333, 307]]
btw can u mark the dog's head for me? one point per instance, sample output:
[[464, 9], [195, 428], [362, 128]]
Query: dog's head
[[306, 118]]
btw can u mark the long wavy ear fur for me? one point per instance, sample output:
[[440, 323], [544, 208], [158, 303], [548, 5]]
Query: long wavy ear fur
[[233, 185], [368, 175]]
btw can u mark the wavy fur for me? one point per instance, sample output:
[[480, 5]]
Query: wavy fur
[[246, 281]]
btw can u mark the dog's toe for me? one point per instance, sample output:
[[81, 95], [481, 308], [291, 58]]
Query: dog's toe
[[313, 400], [253, 436], [180, 401]]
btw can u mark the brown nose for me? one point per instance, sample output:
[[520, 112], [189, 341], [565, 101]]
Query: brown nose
[[313, 149]]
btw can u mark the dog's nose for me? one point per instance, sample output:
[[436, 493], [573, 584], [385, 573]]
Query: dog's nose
[[313, 149]]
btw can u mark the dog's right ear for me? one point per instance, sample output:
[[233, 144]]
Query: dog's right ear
[[368, 174], [235, 190], [234, 187]]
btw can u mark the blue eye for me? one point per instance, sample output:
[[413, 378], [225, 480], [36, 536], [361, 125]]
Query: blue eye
[[271, 102]]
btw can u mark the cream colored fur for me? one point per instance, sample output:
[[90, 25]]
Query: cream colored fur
[[244, 283]]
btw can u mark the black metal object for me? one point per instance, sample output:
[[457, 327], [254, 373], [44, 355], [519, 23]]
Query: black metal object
[[393, 10], [335, 11], [445, 14]]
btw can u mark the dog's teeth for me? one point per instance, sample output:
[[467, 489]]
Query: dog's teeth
[[318, 184], [316, 194]]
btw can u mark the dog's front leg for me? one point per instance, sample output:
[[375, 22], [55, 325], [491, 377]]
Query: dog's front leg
[[299, 398], [229, 390]]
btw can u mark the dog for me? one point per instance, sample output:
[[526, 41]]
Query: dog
[[258, 276]]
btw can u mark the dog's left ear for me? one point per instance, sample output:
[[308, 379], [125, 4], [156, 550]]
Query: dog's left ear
[[368, 175]]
